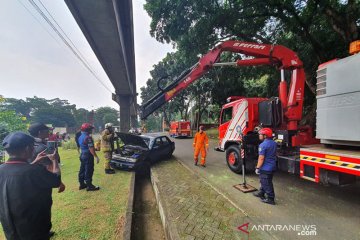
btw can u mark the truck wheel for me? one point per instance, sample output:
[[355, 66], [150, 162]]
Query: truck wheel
[[233, 159]]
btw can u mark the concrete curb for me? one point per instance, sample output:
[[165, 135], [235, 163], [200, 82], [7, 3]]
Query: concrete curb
[[170, 230], [129, 209]]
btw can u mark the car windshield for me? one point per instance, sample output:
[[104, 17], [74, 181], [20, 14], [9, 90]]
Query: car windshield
[[146, 140]]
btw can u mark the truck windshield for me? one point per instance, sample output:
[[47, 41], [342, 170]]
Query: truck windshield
[[226, 115]]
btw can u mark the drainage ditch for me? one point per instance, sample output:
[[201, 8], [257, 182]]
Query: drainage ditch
[[146, 223]]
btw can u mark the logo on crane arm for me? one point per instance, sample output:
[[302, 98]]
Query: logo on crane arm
[[171, 92], [187, 79], [249, 45], [298, 95]]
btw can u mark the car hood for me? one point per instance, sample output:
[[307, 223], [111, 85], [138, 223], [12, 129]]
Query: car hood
[[130, 139]]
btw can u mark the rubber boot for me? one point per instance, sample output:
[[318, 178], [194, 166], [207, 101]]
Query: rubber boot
[[109, 171], [82, 186], [268, 201], [91, 187], [259, 194]]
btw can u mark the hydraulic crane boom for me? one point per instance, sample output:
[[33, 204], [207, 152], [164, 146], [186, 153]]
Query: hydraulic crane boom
[[264, 54]]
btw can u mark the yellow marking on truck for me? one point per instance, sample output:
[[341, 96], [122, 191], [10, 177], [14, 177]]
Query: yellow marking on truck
[[332, 157], [330, 161]]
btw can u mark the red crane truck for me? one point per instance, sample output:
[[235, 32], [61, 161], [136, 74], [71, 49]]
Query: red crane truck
[[241, 118]]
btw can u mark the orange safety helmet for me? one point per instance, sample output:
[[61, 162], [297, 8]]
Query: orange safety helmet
[[86, 126], [266, 131]]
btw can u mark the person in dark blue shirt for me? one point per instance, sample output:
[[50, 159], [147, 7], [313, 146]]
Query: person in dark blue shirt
[[87, 156], [25, 188], [266, 166]]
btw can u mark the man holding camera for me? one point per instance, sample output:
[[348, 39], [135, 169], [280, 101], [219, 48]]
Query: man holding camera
[[25, 203], [40, 132]]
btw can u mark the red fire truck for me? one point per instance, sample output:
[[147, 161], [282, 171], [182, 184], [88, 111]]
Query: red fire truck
[[241, 118], [180, 129]]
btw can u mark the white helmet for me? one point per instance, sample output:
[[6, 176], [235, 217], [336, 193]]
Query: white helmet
[[108, 125]]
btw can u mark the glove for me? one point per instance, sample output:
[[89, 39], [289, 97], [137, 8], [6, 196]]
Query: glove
[[61, 187], [257, 171], [97, 160]]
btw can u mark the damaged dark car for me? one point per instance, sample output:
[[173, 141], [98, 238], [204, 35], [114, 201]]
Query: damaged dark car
[[140, 151]]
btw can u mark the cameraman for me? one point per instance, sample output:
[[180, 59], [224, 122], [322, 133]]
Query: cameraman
[[40, 132], [25, 204]]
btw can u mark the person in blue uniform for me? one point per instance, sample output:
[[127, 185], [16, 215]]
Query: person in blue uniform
[[87, 156], [266, 166], [25, 203]]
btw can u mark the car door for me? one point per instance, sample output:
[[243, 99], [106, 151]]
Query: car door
[[157, 149], [167, 146]]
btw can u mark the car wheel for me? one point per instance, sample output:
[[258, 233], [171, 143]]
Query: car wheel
[[233, 159]]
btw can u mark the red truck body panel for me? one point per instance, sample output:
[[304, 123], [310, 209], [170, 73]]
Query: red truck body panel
[[180, 129]]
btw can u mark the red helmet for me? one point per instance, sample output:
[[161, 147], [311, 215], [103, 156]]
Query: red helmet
[[86, 126], [266, 131]]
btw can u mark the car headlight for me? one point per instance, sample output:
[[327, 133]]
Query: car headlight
[[124, 159], [132, 160]]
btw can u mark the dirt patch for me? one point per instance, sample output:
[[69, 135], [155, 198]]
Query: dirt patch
[[120, 228]]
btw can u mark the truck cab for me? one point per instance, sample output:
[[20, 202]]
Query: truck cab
[[238, 120]]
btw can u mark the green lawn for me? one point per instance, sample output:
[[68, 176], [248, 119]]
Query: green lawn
[[89, 215], [213, 133]]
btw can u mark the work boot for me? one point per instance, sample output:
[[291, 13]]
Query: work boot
[[268, 201], [195, 163], [259, 194], [109, 171], [203, 165], [82, 186], [51, 234], [91, 187]]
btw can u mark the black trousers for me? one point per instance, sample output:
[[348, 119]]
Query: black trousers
[[86, 168], [267, 185]]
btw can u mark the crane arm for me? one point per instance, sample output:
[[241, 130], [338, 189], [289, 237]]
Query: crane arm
[[264, 54]]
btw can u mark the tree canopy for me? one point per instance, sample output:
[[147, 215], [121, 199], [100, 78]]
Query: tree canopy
[[318, 31], [57, 112]]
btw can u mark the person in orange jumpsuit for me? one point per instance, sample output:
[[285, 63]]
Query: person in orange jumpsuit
[[201, 144]]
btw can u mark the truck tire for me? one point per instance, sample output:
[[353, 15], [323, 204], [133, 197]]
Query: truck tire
[[233, 159]]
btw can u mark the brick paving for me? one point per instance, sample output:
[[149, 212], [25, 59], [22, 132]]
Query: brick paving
[[197, 211]]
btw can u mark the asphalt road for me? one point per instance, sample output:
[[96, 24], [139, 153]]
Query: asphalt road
[[333, 211]]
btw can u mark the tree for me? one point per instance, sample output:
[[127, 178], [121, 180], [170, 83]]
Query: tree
[[81, 116], [10, 122], [58, 117], [104, 115], [318, 30], [167, 71]]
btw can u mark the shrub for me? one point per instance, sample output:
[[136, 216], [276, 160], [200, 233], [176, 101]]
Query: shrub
[[71, 144]]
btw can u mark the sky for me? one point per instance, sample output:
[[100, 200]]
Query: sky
[[35, 62]]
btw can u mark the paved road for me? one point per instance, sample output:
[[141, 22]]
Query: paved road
[[335, 211]]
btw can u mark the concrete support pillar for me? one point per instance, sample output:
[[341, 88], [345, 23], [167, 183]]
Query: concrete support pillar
[[134, 122], [124, 102]]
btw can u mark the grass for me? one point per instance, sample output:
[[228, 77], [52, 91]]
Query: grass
[[212, 133], [89, 215]]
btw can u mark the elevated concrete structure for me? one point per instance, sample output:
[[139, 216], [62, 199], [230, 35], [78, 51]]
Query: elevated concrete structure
[[108, 27]]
